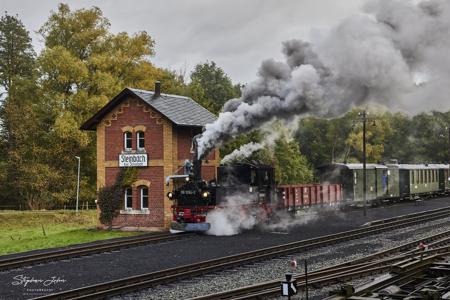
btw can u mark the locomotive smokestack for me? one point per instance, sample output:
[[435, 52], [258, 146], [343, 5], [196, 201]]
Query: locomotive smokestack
[[197, 161], [157, 92]]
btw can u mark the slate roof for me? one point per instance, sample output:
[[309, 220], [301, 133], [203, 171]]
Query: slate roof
[[182, 111]]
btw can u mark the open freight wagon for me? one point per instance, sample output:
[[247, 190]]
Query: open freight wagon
[[301, 196]]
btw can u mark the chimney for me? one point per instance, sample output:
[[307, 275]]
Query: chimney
[[157, 92]]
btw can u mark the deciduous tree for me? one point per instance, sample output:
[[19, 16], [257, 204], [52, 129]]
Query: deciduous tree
[[217, 86]]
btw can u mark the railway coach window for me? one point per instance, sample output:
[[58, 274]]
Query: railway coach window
[[144, 197], [127, 141], [128, 198]]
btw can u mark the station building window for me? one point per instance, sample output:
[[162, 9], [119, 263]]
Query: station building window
[[144, 197], [128, 197], [127, 141], [140, 140]]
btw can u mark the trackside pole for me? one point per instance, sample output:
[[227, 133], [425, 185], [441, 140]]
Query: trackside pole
[[289, 286], [306, 280]]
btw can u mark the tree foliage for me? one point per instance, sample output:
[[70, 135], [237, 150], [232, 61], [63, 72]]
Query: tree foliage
[[215, 86], [16, 51], [81, 67], [16, 73]]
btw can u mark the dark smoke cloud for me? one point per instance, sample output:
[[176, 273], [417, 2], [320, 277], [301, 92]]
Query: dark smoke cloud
[[394, 53]]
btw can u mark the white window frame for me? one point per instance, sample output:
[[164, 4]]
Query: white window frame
[[126, 198], [125, 138], [142, 197], [138, 138]]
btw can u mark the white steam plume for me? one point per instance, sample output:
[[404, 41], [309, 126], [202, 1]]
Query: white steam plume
[[374, 56], [232, 218], [243, 152]]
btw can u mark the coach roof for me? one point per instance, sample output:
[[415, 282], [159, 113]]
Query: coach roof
[[182, 111]]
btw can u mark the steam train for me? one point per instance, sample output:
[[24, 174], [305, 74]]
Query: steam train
[[254, 184], [193, 197]]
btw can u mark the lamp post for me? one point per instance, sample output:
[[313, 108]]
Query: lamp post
[[448, 130], [78, 181], [363, 116]]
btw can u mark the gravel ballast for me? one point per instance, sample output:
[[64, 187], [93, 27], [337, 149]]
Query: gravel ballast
[[83, 271], [275, 269]]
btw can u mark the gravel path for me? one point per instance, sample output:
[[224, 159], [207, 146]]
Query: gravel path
[[103, 267], [275, 269]]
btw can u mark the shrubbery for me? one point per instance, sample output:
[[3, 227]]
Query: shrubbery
[[110, 198]]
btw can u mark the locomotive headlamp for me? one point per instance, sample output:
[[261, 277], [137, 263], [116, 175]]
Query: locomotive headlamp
[[187, 178], [205, 194], [170, 195]]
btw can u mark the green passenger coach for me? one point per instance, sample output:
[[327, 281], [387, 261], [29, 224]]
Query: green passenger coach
[[387, 182]]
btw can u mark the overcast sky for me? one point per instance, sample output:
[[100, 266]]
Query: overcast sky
[[237, 35]]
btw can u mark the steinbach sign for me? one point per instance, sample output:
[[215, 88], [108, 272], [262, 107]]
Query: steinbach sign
[[133, 160]]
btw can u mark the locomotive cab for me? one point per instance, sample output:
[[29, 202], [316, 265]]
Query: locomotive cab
[[256, 181]]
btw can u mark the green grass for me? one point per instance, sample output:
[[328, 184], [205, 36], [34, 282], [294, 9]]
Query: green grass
[[24, 230]]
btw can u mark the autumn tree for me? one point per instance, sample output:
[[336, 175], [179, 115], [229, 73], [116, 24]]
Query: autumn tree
[[16, 52], [290, 165], [216, 87], [430, 137], [16, 76], [377, 129]]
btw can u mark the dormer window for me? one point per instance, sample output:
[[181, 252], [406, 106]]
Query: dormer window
[[140, 140], [127, 141]]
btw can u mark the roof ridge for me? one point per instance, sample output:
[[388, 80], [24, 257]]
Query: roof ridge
[[162, 94]]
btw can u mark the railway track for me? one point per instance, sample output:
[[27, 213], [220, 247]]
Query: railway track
[[369, 265], [131, 284], [83, 250]]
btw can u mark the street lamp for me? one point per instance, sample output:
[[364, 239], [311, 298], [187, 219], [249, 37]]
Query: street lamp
[[448, 132], [78, 181], [363, 116]]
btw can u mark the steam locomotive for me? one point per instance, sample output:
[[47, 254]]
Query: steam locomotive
[[193, 197]]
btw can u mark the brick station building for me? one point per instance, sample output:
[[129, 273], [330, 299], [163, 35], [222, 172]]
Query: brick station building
[[153, 132]]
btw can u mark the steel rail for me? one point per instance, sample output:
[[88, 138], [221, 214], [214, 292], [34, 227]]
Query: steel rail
[[130, 284], [366, 263]]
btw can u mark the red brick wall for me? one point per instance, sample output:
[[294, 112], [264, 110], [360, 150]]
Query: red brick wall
[[156, 198], [208, 172], [132, 116], [184, 136]]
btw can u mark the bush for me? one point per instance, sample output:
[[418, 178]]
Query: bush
[[110, 197]]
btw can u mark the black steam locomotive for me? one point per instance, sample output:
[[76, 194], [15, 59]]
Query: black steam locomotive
[[247, 185]]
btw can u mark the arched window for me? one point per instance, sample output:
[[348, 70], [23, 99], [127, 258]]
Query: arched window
[[128, 197], [127, 140], [144, 197], [140, 140]]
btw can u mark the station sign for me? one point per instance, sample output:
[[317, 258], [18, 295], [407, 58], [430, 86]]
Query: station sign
[[133, 160]]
